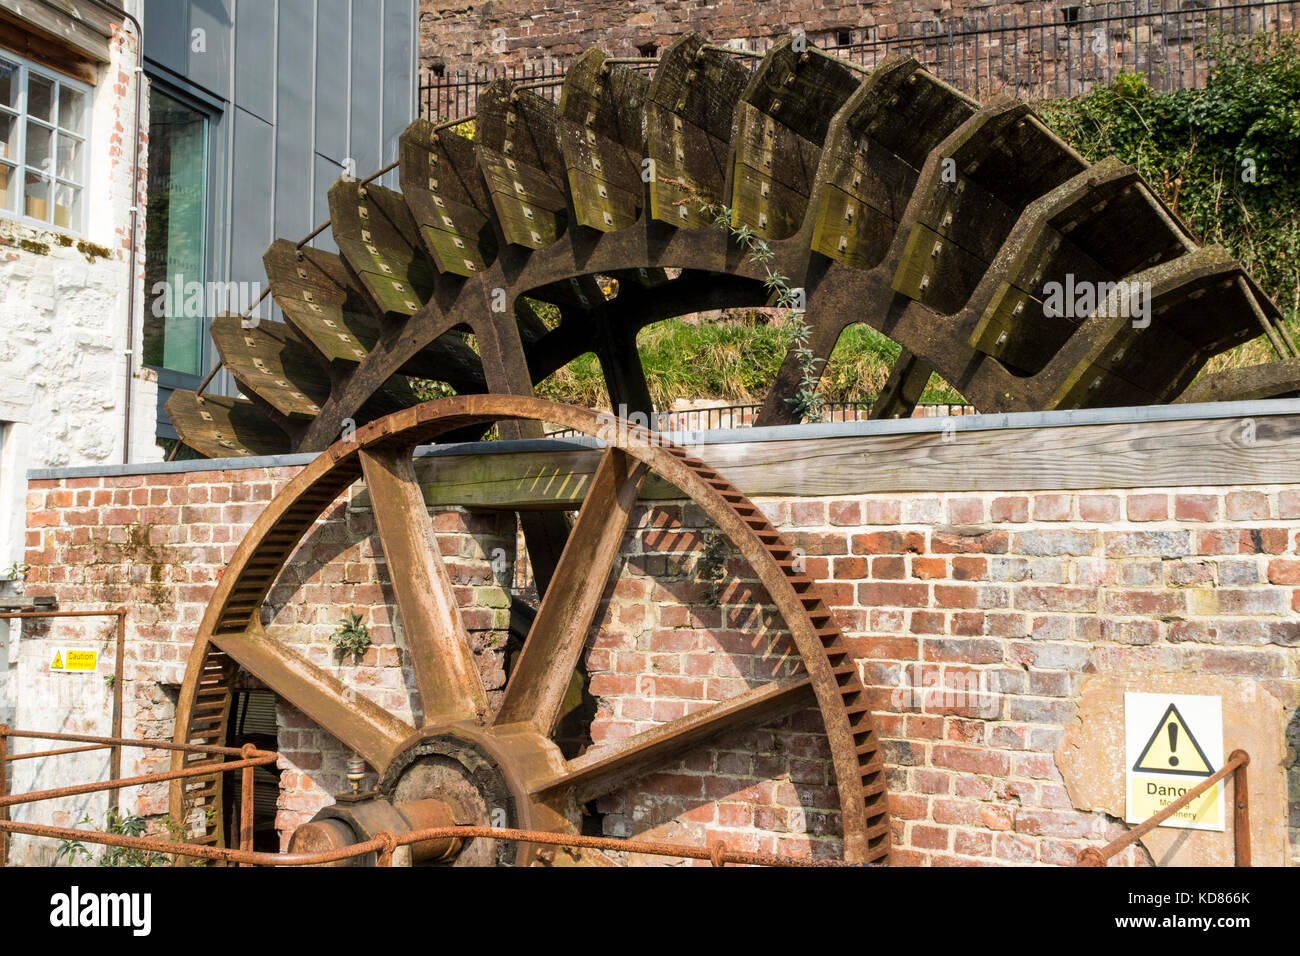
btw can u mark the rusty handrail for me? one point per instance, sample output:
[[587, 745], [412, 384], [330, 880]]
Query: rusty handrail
[[1236, 765], [383, 844]]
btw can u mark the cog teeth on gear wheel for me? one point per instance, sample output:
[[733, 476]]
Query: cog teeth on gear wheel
[[221, 427], [690, 107], [445, 193], [518, 147], [380, 243]]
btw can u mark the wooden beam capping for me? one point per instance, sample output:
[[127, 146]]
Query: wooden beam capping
[[66, 35], [894, 457]]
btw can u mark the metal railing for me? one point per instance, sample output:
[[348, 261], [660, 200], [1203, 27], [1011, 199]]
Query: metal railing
[[1042, 52], [382, 845], [1235, 766], [743, 416]]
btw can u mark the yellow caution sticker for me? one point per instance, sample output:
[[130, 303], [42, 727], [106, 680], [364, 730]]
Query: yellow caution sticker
[[1172, 743], [74, 660]]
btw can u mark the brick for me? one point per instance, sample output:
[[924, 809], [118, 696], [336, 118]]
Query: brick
[[1148, 507], [976, 540], [1196, 507], [892, 568], [1052, 507], [896, 594], [1246, 506], [928, 568], [844, 513], [888, 542], [1014, 510], [1101, 508], [965, 510], [971, 760], [1284, 571], [1054, 543]]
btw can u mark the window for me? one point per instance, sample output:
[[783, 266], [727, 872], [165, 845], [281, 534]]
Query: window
[[1071, 14], [175, 234], [43, 129]]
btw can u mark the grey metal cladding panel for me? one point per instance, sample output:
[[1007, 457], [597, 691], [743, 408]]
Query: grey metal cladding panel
[[167, 34], [209, 67], [293, 128], [399, 105], [255, 56], [250, 182], [366, 140], [332, 34], [327, 171]]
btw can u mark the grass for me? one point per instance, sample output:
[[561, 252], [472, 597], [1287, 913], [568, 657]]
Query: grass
[[733, 360]]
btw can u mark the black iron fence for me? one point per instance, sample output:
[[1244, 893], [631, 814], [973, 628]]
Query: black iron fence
[[743, 416], [1039, 53]]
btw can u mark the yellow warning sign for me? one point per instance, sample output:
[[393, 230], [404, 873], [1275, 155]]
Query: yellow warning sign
[[70, 660], [1173, 749], [1172, 742], [1148, 796]]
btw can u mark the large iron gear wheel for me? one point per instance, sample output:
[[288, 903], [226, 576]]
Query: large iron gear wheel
[[891, 199], [465, 755]]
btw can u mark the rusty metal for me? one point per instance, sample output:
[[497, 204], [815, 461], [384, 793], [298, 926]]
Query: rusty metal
[[1240, 808], [4, 791], [540, 783], [58, 753], [385, 843], [1235, 766]]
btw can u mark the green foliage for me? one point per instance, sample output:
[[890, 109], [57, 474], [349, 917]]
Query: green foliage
[[1226, 158], [352, 636], [122, 825], [711, 566]]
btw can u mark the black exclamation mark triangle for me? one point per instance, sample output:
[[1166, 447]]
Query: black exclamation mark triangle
[[1172, 748]]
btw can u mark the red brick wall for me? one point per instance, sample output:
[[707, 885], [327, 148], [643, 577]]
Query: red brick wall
[[976, 618]]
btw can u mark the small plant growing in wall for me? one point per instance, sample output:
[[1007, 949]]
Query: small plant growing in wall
[[352, 636], [12, 577], [711, 566]]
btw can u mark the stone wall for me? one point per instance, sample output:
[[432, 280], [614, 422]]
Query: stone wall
[[63, 309], [984, 625]]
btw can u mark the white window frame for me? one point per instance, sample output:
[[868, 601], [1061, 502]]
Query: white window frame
[[17, 164]]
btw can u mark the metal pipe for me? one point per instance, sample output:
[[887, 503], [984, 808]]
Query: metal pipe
[[58, 753], [4, 790], [117, 11], [142, 744], [1240, 810], [246, 811], [1094, 857], [204, 770]]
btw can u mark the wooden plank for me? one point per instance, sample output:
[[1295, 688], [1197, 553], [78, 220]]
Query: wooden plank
[[599, 124], [689, 110], [221, 427], [1135, 455], [269, 361], [447, 199]]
